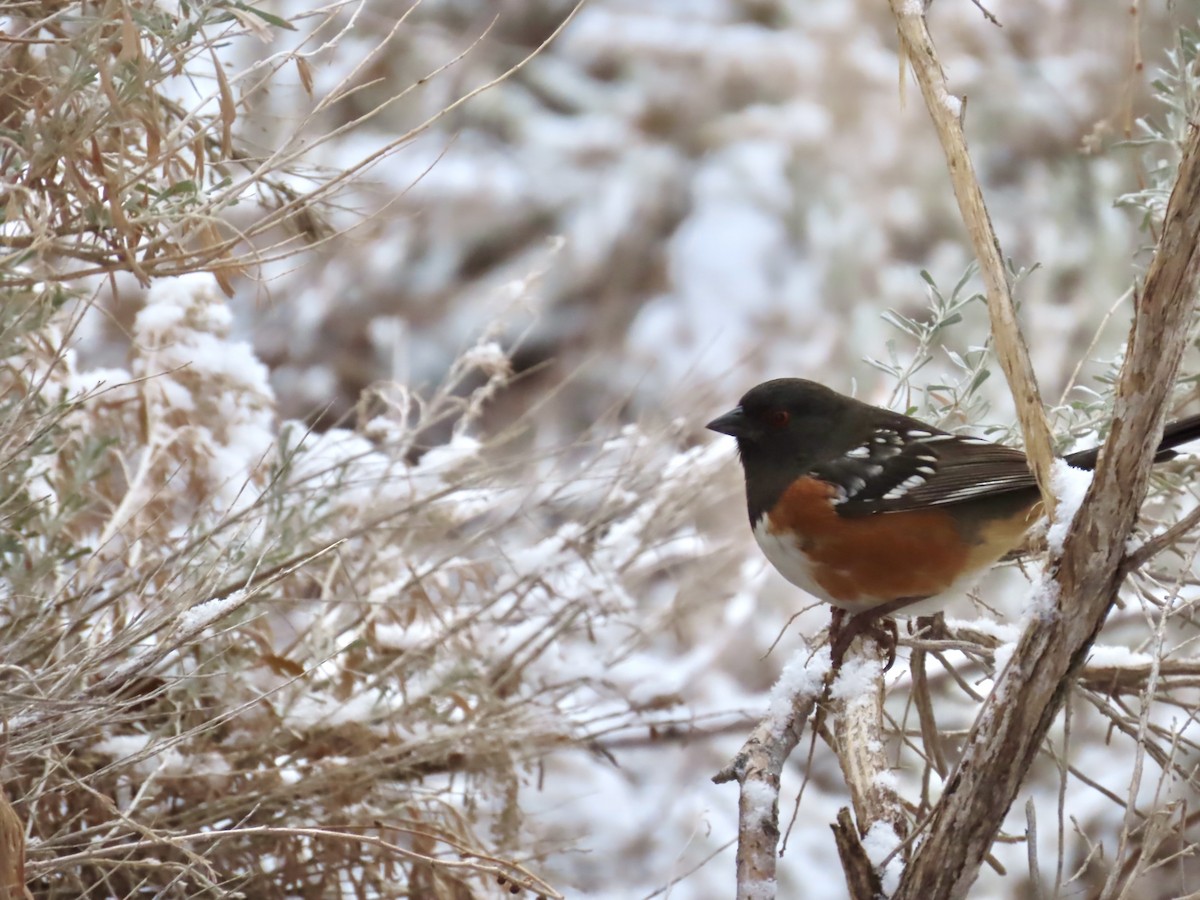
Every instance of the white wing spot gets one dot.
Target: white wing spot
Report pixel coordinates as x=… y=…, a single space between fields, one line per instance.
x=926 y=470
x=863 y=452
x=912 y=481
x=917 y=433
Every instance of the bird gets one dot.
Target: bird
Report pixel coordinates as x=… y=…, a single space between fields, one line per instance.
x=873 y=511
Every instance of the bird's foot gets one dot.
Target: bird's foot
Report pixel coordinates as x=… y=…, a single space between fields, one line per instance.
x=844 y=628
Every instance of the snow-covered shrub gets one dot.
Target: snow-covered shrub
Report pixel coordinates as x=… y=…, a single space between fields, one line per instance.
x=334 y=653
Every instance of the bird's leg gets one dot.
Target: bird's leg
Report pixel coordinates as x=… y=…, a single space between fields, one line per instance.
x=843 y=631
x=876 y=623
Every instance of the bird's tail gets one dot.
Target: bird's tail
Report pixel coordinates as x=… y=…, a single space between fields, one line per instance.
x=1178 y=432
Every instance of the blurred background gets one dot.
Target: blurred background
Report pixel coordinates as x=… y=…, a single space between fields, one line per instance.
x=705 y=192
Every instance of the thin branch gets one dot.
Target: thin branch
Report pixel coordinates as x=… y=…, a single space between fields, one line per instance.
x=1161 y=542
x=916 y=46
x=758 y=768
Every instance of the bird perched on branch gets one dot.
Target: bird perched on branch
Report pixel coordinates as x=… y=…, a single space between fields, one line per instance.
x=873 y=511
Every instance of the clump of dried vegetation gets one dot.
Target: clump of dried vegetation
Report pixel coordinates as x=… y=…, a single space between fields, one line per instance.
x=240 y=658
x=243 y=656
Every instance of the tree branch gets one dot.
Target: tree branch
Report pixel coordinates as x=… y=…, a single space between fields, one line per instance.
x=857 y=695
x=1070 y=611
x=917 y=47
x=1160 y=542
x=862 y=881
x=758 y=767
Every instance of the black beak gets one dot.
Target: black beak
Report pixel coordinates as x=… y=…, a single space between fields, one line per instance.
x=733 y=423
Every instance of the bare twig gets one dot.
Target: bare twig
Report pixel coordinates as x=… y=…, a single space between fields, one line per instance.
x=1160 y=542
x=1031 y=841
x=929 y=732
x=987 y=13
x=916 y=46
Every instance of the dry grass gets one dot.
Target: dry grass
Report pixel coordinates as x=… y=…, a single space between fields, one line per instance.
x=240 y=658
x=244 y=657
x=114 y=172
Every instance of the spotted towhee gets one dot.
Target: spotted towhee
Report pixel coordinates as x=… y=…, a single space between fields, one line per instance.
x=872 y=511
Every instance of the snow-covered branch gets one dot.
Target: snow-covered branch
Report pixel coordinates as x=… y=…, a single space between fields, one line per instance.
x=1017 y=716
x=758 y=769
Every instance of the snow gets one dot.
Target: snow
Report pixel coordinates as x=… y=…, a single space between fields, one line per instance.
x=951 y=102
x=729 y=246
x=738 y=198
x=858 y=678
x=887 y=779
x=313 y=711
x=191 y=300
x=405 y=637
x=1043 y=600
x=761 y=799
x=802 y=676
x=1069 y=485
x=446 y=458
x=879 y=842
x=160 y=315
x=1040 y=608
x=189 y=364
x=488 y=357
x=759 y=890
x=1002 y=655
x=123 y=745
x=204 y=614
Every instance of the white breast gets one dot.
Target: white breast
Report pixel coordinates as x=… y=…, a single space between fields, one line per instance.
x=784 y=555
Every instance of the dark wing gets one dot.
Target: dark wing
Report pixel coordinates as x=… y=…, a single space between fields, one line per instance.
x=901 y=468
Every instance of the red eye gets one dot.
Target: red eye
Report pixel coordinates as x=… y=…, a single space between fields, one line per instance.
x=777 y=418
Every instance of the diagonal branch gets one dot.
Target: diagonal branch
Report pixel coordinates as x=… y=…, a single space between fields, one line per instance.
x=917 y=47
x=1071 y=609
